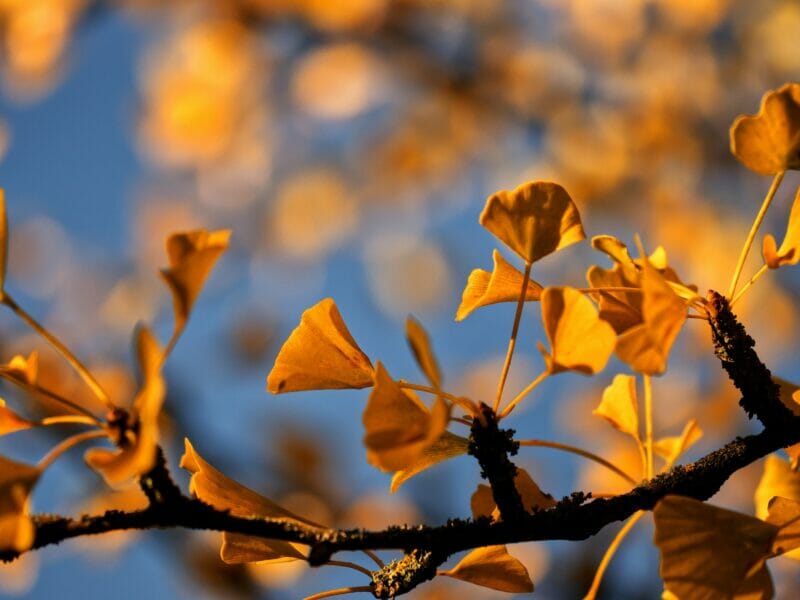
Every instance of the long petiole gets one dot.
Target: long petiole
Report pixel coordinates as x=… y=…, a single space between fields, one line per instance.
x=68 y=419
x=33 y=388
x=763 y=269
x=776 y=182
x=581 y=452
x=457 y=400
x=62 y=349
x=375 y=558
x=339 y=592
x=610 y=551
x=512 y=342
x=648 y=423
x=350 y=565
x=528 y=389
x=68 y=444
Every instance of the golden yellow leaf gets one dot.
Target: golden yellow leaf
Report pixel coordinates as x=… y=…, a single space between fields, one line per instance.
x=645 y=347
x=533 y=498
x=534 y=220
x=503 y=284
x=320 y=354
x=398 y=426
x=778 y=479
x=769 y=142
x=789 y=252
x=492 y=567
x=136 y=453
x=223 y=493
x=784 y=513
x=22 y=369
x=448 y=446
x=482 y=502
x=16 y=482
x=708 y=552
x=11 y=421
x=191 y=255
x=423 y=353
x=579 y=340
x=3 y=240
x=670 y=448
x=619 y=406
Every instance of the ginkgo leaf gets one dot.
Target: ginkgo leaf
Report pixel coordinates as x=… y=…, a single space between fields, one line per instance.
x=579 y=339
x=645 y=347
x=534 y=220
x=789 y=252
x=191 y=256
x=16 y=482
x=11 y=421
x=320 y=354
x=137 y=451
x=492 y=567
x=448 y=446
x=423 y=353
x=670 y=448
x=223 y=493
x=22 y=369
x=769 y=142
x=503 y=284
x=533 y=498
x=784 y=513
x=708 y=552
x=778 y=479
x=3 y=240
x=756 y=586
x=619 y=405
x=398 y=426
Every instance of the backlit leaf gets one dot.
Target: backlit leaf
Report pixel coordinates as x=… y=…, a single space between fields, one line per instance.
x=778 y=479
x=670 y=448
x=191 y=257
x=619 y=406
x=492 y=567
x=22 y=369
x=448 y=446
x=398 y=426
x=784 y=513
x=320 y=354
x=423 y=353
x=707 y=552
x=503 y=284
x=579 y=340
x=533 y=498
x=11 y=421
x=769 y=142
x=789 y=252
x=534 y=220
x=16 y=482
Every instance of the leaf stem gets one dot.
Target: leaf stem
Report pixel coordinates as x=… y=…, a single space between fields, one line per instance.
x=581 y=452
x=68 y=444
x=339 y=592
x=762 y=269
x=35 y=388
x=512 y=342
x=458 y=400
x=350 y=565
x=648 y=423
x=68 y=419
x=528 y=389
x=609 y=554
x=776 y=182
x=375 y=558
x=61 y=348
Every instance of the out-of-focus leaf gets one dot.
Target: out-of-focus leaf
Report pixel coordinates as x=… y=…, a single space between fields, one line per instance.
x=398 y=427
x=22 y=369
x=223 y=493
x=619 y=406
x=137 y=453
x=192 y=255
x=11 y=421
x=784 y=513
x=320 y=354
x=707 y=552
x=769 y=142
x=16 y=482
x=448 y=446
x=789 y=252
x=503 y=284
x=492 y=567
x=534 y=220
x=579 y=340
x=533 y=498
x=423 y=353
x=3 y=240
x=670 y=448
x=777 y=480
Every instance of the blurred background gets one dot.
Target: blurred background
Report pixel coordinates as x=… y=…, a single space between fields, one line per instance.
x=350 y=146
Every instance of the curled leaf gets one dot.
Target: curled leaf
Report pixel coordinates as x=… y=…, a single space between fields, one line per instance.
x=11 y=421
x=769 y=142
x=789 y=252
x=398 y=426
x=423 y=353
x=619 y=406
x=579 y=339
x=16 y=482
x=137 y=448
x=223 y=493
x=534 y=220
x=320 y=354
x=503 y=284
x=191 y=256
x=708 y=552
x=492 y=567
x=671 y=448
x=448 y=446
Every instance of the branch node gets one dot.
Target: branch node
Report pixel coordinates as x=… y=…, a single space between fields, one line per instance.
x=401 y=576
